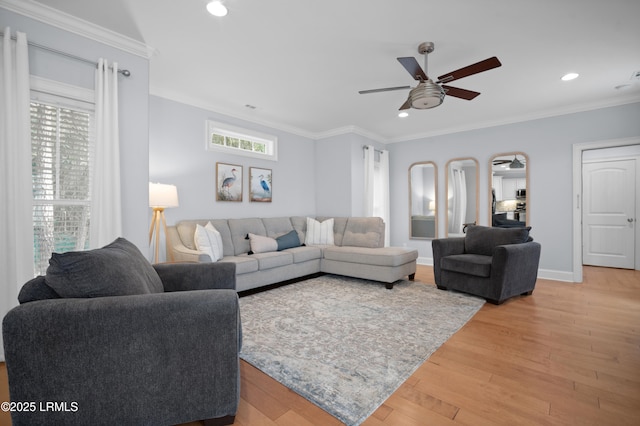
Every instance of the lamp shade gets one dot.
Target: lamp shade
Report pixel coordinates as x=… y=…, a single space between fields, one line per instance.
x=161 y=195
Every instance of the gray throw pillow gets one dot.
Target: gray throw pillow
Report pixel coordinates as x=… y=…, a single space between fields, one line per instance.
x=482 y=239
x=117 y=269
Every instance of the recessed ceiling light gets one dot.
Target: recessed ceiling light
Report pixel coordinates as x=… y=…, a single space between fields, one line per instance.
x=216 y=8
x=403 y=114
x=570 y=76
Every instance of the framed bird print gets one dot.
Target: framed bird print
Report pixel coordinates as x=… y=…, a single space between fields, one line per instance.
x=228 y=182
x=260 y=185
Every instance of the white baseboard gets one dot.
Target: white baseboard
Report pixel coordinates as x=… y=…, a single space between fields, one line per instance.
x=427 y=261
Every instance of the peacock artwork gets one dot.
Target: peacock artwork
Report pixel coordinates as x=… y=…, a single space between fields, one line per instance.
x=260 y=185
x=228 y=182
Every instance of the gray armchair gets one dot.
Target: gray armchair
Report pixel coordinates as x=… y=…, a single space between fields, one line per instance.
x=106 y=338
x=493 y=263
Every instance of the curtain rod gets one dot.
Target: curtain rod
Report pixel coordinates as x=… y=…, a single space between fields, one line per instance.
x=125 y=73
x=376 y=150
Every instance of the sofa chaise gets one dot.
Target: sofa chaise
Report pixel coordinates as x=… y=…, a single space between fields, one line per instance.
x=355 y=248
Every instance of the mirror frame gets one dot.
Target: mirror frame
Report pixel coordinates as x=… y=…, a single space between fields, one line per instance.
x=446 y=188
x=527 y=168
x=435 y=194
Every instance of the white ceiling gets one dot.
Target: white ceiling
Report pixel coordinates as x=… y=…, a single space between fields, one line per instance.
x=302 y=63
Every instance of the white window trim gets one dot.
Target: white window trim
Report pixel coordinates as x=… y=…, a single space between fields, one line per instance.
x=224 y=129
x=50 y=91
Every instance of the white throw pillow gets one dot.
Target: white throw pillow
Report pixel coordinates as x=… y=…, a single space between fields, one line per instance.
x=319 y=233
x=261 y=244
x=208 y=239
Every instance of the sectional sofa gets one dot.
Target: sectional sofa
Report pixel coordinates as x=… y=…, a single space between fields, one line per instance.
x=271 y=250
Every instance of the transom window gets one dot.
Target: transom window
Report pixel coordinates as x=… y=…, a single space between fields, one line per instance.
x=236 y=140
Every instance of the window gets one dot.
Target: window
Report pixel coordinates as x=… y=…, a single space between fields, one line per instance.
x=61 y=145
x=223 y=137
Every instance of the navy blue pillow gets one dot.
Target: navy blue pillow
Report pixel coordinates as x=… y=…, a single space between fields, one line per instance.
x=288 y=240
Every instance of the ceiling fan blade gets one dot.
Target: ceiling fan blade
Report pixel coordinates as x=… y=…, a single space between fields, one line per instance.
x=405 y=105
x=411 y=65
x=481 y=66
x=460 y=93
x=386 y=89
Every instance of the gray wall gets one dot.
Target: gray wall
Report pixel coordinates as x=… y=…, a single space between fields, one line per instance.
x=177 y=156
x=548 y=143
x=133 y=93
x=321 y=177
x=340 y=174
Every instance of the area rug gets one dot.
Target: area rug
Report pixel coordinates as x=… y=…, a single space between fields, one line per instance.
x=347 y=344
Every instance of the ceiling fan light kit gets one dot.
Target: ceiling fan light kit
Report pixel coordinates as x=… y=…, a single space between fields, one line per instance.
x=429 y=94
x=426 y=95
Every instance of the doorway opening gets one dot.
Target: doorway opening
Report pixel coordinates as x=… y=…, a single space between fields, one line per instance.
x=593 y=152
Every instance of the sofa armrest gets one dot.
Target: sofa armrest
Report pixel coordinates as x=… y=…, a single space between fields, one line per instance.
x=114 y=360
x=179 y=251
x=197 y=276
x=443 y=247
x=516 y=264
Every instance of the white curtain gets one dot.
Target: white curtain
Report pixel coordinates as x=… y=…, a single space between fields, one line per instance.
x=369 y=179
x=106 y=216
x=16 y=229
x=458 y=202
x=382 y=198
x=376 y=187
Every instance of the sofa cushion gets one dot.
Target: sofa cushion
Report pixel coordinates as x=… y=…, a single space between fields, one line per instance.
x=209 y=240
x=482 y=239
x=262 y=244
x=470 y=264
x=364 y=232
x=36 y=289
x=299 y=223
x=384 y=256
x=339 y=225
x=186 y=231
x=117 y=269
x=244 y=264
x=319 y=233
x=273 y=259
x=288 y=240
x=305 y=253
x=240 y=228
x=277 y=226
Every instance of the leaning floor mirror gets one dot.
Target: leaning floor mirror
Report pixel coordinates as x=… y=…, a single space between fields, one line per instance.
x=423 y=184
x=462 y=180
x=509 y=189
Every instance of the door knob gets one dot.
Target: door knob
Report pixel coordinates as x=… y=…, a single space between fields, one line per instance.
x=630 y=220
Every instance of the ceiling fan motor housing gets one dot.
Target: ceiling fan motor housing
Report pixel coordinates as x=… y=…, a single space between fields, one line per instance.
x=426 y=95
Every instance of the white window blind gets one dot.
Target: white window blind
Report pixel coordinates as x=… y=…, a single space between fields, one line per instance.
x=61 y=147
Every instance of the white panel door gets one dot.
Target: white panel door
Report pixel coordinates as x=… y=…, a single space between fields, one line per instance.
x=608 y=213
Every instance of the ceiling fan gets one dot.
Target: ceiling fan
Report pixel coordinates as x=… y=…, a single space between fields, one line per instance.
x=512 y=164
x=429 y=94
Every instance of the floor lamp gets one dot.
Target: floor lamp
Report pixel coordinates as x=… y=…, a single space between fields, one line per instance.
x=161 y=197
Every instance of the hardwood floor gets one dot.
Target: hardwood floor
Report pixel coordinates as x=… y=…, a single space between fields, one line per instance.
x=567 y=355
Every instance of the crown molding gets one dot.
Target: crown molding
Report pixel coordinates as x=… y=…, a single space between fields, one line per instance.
x=198 y=103
x=56 y=18
x=350 y=130
x=172 y=96
x=572 y=109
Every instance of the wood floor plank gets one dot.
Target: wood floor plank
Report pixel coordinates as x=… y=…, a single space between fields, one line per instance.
x=567 y=355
